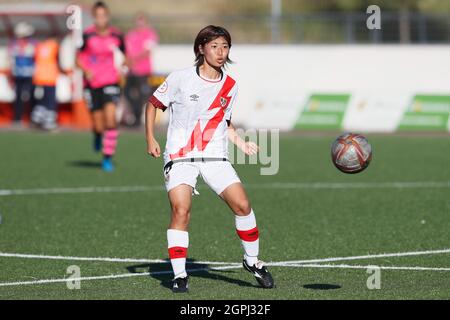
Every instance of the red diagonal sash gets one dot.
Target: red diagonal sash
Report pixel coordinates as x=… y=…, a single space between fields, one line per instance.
x=199 y=138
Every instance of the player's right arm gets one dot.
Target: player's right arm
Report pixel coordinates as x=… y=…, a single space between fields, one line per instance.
x=87 y=73
x=79 y=61
x=161 y=99
x=153 y=147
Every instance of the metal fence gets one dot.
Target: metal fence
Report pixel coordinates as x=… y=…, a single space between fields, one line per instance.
x=332 y=27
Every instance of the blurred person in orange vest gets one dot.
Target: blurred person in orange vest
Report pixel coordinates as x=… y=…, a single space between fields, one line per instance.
x=139 y=43
x=21 y=52
x=44 y=80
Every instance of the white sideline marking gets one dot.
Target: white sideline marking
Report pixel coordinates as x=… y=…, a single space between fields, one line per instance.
x=20 y=192
x=131 y=260
x=103 y=259
x=371 y=256
x=351 y=185
x=347 y=266
x=298 y=264
x=113 y=276
x=274 y=185
x=128 y=275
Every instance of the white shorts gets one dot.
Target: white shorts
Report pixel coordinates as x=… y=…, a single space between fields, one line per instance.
x=218 y=175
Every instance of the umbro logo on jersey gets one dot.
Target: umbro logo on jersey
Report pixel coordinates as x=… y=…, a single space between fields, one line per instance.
x=194 y=97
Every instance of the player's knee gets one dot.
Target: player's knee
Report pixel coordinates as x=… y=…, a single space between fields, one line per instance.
x=243 y=208
x=181 y=214
x=110 y=125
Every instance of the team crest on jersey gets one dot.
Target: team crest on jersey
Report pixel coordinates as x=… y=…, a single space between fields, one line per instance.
x=194 y=97
x=223 y=101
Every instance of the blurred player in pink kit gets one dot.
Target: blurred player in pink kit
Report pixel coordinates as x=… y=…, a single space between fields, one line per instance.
x=139 y=43
x=102 y=91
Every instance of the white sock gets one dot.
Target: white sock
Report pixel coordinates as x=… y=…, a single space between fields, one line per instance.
x=248 y=232
x=178 y=243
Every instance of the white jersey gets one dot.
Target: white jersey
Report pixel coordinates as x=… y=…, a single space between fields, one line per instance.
x=199 y=111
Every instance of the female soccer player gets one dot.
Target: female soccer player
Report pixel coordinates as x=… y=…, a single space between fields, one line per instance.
x=96 y=60
x=200 y=101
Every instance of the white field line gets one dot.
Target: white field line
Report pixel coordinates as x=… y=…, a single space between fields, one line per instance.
x=274 y=185
x=347 y=266
x=351 y=185
x=128 y=275
x=131 y=260
x=104 y=259
x=298 y=264
x=112 y=276
x=106 y=189
x=371 y=256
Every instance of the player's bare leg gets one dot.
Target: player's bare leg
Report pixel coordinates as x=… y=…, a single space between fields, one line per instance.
x=98 y=128
x=110 y=115
x=247 y=230
x=180 y=199
x=110 y=135
x=236 y=198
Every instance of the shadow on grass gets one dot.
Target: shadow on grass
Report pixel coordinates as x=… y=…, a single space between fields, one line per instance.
x=321 y=286
x=163 y=273
x=85 y=164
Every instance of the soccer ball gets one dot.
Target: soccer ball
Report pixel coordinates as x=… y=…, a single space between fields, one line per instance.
x=351 y=153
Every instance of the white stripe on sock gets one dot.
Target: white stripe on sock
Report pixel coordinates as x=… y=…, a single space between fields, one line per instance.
x=177 y=238
x=247 y=222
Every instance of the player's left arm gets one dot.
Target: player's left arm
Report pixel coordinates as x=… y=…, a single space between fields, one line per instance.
x=249 y=147
x=122 y=48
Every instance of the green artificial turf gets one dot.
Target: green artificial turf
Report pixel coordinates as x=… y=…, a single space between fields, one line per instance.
x=309 y=210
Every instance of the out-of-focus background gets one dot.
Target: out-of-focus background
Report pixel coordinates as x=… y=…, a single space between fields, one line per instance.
x=300 y=64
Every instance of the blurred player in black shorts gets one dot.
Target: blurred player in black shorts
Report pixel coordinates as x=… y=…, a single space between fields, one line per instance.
x=96 y=59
